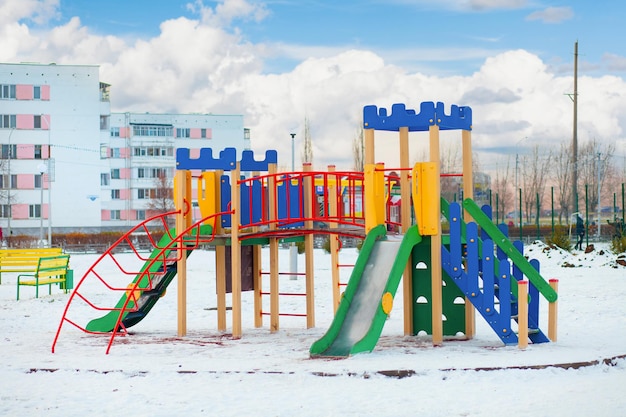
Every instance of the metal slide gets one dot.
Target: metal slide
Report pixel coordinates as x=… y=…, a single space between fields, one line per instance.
x=360 y=318
x=154 y=277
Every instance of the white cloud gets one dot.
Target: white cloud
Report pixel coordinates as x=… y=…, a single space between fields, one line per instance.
x=228 y=10
x=552 y=14
x=196 y=66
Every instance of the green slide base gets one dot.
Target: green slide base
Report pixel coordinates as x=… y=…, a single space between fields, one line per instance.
x=148 y=299
x=360 y=318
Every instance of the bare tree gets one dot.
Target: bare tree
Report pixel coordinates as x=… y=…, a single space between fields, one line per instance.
x=307 y=153
x=594 y=161
x=358 y=149
x=162 y=195
x=502 y=187
x=450 y=160
x=562 y=170
x=534 y=173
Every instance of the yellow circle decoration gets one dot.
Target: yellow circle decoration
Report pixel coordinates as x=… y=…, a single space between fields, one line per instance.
x=387 y=302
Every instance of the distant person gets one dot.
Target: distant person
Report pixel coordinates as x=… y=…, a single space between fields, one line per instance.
x=580 y=232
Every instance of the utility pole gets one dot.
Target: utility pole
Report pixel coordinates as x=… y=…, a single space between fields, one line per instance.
x=575 y=133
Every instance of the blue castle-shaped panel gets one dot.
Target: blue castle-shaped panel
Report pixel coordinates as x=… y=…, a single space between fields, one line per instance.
x=460 y=117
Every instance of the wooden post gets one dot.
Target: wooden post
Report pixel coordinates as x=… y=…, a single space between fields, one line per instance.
x=552 y=312
x=435 y=248
x=522 y=314
x=405 y=201
x=310 y=204
x=273 y=215
x=468 y=192
x=180 y=179
x=235 y=252
x=333 y=188
x=220 y=260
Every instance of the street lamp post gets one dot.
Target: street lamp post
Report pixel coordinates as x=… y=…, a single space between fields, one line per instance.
x=49 y=170
x=42 y=171
x=9 y=190
x=293 y=250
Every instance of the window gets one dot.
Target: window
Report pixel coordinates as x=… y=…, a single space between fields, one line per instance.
x=105 y=179
x=37 y=121
x=158 y=172
x=141 y=173
x=115 y=194
x=143 y=193
x=7 y=91
x=36 y=92
x=146 y=130
x=115 y=215
x=115 y=174
x=246 y=134
x=8 y=121
x=34 y=211
x=4 y=181
x=115 y=132
x=8 y=151
x=104 y=151
x=203 y=133
x=115 y=152
x=37 y=151
x=104 y=122
x=38 y=181
x=5 y=211
x=182 y=132
x=141 y=215
x=153 y=151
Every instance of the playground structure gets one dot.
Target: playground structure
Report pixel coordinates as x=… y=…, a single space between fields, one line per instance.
x=446 y=278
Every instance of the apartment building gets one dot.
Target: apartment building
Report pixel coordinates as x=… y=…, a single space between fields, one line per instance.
x=141 y=151
x=68 y=164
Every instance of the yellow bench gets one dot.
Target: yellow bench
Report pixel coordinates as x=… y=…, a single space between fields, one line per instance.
x=24 y=260
x=50 y=270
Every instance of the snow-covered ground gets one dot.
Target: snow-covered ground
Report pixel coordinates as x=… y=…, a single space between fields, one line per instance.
x=152 y=372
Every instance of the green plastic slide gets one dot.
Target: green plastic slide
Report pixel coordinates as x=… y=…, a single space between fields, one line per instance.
x=133 y=315
x=360 y=317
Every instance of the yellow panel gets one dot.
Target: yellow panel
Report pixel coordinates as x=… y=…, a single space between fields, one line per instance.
x=207 y=201
x=416 y=190
x=370 y=197
x=430 y=199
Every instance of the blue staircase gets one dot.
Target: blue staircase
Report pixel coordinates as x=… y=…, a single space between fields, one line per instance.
x=489 y=278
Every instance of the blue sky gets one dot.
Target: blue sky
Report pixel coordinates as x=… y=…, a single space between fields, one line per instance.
x=445 y=37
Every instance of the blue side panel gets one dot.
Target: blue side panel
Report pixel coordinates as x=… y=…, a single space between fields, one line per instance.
x=225 y=198
x=251 y=203
x=504 y=329
x=290 y=203
x=248 y=163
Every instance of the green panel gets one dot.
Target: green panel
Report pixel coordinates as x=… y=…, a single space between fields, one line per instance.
x=422 y=293
x=454 y=313
x=422 y=288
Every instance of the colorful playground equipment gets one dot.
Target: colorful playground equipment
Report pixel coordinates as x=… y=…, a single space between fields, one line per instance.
x=446 y=277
